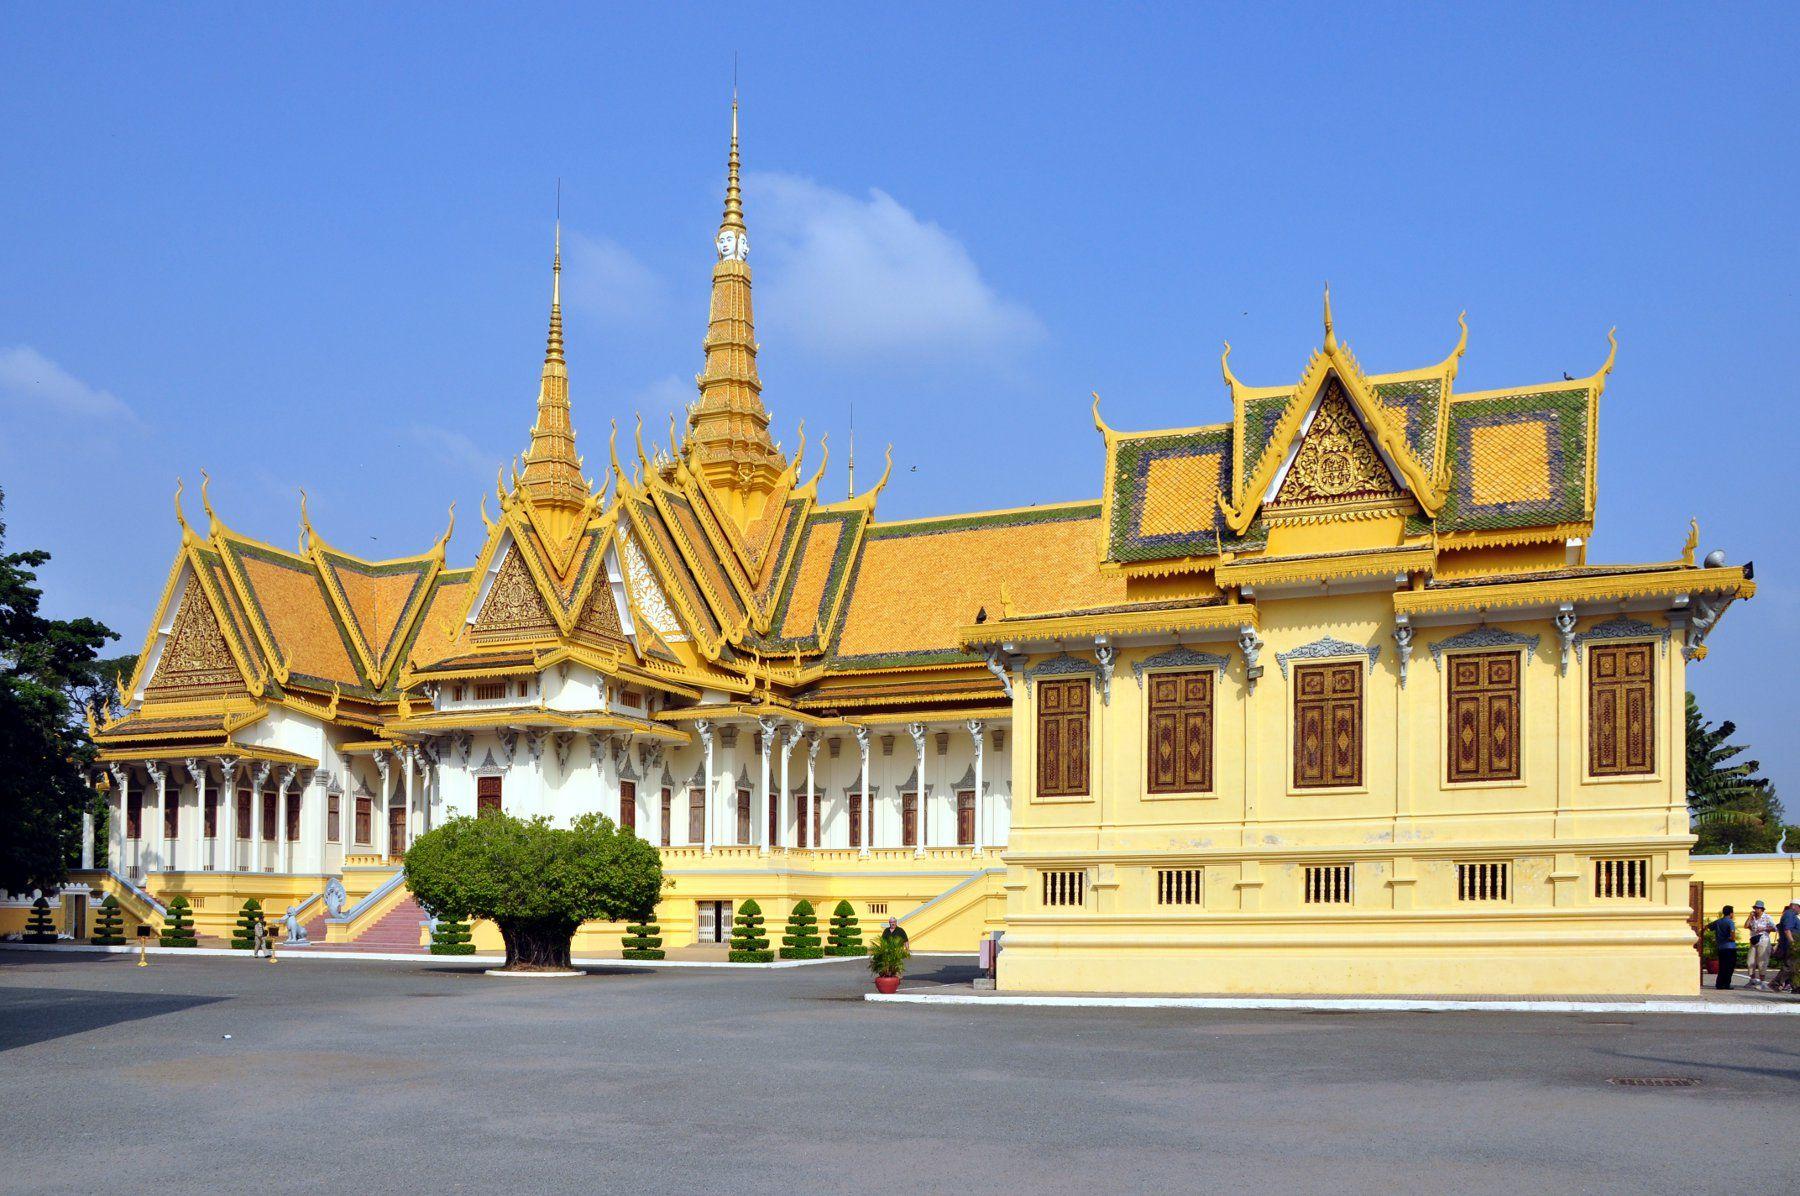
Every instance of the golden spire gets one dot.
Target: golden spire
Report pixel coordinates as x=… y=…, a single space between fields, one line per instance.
x=1330 y=333
x=552 y=469
x=728 y=427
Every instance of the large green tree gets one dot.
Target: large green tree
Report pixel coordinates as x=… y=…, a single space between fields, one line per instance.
x=1733 y=807
x=45 y=665
x=536 y=882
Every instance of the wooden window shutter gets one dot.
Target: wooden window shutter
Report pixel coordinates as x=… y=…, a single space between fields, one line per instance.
x=1621 y=710
x=1483 y=717
x=1181 y=732
x=1328 y=725
x=487 y=795
x=628 y=806
x=1062 y=725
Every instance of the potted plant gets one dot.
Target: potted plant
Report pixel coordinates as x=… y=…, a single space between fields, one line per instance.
x=1709 y=954
x=887 y=959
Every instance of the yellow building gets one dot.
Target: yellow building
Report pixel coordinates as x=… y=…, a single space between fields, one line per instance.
x=1325 y=698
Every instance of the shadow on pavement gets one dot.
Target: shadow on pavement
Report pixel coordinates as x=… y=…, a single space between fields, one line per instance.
x=29 y=1015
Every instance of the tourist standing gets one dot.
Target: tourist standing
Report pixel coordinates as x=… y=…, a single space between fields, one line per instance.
x=259 y=931
x=1787 y=931
x=1724 y=932
x=1762 y=929
x=893 y=930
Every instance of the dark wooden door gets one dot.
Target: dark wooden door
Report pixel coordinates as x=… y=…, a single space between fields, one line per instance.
x=696 y=816
x=965 y=818
x=909 y=819
x=668 y=801
x=743 y=816
x=487 y=795
x=856 y=821
x=396 y=832
x=801 y=805
x=628 y=806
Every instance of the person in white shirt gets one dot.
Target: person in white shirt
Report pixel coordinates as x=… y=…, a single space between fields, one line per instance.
x=1762 y=931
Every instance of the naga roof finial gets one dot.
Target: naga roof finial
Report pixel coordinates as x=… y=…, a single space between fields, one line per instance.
x=1330 y=333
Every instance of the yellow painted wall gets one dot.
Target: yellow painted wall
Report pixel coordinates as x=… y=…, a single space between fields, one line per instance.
x=1403 y=831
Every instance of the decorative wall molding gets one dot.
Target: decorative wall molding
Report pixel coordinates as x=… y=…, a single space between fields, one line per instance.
x=1062 y=666
x=1565 y=631
x=1484 y=636
x=1623 y=627
x=998 y=668
x=1403 y=645
x=1106 y=656
x=1326 y=649
x=1178 y=658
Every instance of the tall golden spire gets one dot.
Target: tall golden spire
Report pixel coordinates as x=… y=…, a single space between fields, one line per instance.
x=728 y=427
x=552 y=470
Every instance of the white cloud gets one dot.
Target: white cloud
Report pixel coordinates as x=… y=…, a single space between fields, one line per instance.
x=846 y=276
x=456 y=450
x=32 y=382
x=604 y=279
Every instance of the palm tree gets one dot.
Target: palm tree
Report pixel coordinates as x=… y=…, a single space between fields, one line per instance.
x=1732 y=806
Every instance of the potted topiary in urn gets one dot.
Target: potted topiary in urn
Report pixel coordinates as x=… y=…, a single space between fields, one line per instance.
x=887 y=959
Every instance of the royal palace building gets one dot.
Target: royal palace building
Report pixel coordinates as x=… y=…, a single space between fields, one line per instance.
x=1325 y=695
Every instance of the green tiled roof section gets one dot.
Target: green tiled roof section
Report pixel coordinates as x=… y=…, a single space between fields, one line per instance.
x=897 y=660
x=418 y=569
x=1033 y=515
x=1564 y=414
x=1422 y=400
x=282 y=560
x=1130 y=477
x=842 y=555
x=1260 y=418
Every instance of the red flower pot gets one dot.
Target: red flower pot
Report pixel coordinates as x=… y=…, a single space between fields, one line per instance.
x=887 y=984
x=1711 y=966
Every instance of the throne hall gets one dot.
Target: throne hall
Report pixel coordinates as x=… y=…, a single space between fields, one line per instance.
x=1322 y=692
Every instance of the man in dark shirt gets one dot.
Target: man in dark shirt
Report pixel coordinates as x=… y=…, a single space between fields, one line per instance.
x=1724 y=932
x=894 y=930
x=1787 y=931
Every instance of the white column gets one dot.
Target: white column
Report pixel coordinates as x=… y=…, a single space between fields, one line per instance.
x=87 y=839
x=261 y=779
x=760 y=819
x=705 y=728
x=164 y=846
x=812 y=790
x=917 y=731
x=784 y=817
x=284 y=854
x=378 y=836
x=115 y=853
x=228 y=812
x=977 y=731
x=410 y=754
x=868 y=807
x=197 y=770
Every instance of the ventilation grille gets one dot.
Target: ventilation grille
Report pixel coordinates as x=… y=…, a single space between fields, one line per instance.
x=1622 y=878
x=1328 y=884
x=1484 y=882
x=1065 y=888
x=1180 y=886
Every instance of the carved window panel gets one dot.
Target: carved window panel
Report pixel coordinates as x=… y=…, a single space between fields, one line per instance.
x=134 y=815
x=1181 y=732
x=628 y=806
x=668 y=801
x=909 y=818
x=1621 y=710
x=293 y=818
x=696 y=816
x=365 y=815
x=1483 y=716
x=965 y=818
x=270 y=811
x=1064 y=708
x=487 y=795
x=1328 y=725
x=333 y=815
x=243 y=814
x=743 y=817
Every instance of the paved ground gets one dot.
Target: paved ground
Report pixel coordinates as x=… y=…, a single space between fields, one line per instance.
x=397 y=1077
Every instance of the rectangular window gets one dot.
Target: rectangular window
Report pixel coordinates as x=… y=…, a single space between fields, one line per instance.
x=134 y=815
x=243 y=813
x=172 y=817
x=1065 y=888
x=1621 y=710
x=1482 y=717
x=909 y=819
x=1328 y=884
x=365 y=811
x=1181 y=732
x=801 y=818
x=628 y=806
x=1062 y=726
x=1486 y=881
x=1622 y=878
x=487 y=691
x=1180 y=886
x=965 y=818
x=696 y=816
x=212 y=815
x=818 y=819
x=293 y=818
x=668 y=801
x=270 y=812
x=878 y=907
x=632 y=698
x=743 y=817
x=856 y=821
x=1328 y=725
x=487 y=795
x=333 y=815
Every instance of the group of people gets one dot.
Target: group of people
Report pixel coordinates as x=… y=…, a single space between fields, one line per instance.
x=1771 y=942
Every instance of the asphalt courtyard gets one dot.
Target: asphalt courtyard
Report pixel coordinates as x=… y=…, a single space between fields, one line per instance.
x=232 y=1075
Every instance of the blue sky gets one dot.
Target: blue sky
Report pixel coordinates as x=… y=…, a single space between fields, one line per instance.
x=311 y=249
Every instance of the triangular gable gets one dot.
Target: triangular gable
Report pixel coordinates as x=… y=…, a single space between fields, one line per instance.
x=677 y=583
x=1334 y=462
x=189 y=656
x=511 y=606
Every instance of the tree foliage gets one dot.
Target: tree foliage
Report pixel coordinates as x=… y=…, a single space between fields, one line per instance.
x=38 y=927
x=178 y=926
x=536 y=882
x=642 y=940
x=802 y=938
x=1733 y=807
x=748 y=942
x=44 y=665
x=846 y=934
x=450 y=936
x=109 y=924
x=244 y=935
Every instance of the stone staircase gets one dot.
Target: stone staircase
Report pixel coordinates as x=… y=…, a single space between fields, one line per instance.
x=395 y=932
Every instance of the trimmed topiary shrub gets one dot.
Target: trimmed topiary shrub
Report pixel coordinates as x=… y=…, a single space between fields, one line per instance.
x=38 y=926
x=178 y=926
x=748 y=942
x=802 y=938
x=451 y=936
x=243 y=937
x=109 y=924
x=846 y=935
x=643 y=940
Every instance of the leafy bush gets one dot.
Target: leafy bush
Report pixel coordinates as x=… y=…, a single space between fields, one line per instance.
x=748 y=943
x=802 y=938
x=643 y=939
x=536 y=882
x=888 y=956
x=178 y=926
x=38 y=927
x=109 y=924
x=846 y=935
x=243 y=936
x=451 y=936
